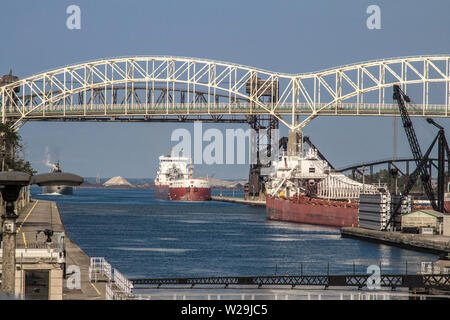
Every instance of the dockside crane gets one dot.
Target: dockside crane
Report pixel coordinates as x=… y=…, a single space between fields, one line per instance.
x=401 y=97
x=420 y=159
x=443 y=150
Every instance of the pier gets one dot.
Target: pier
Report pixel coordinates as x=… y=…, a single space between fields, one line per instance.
x=250 y=202
x=42 y=265
x=436 y=244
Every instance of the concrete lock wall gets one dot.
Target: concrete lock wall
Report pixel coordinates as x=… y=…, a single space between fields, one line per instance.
x=20 y=284
x=55 y=283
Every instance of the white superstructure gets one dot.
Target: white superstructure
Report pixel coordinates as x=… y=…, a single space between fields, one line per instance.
x=307 y=174
x=172 y=168
x=190 y=183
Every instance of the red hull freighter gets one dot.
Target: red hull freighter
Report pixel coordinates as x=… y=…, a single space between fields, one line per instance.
x=303 y=188
x=190 y=190
x=162 y=192
x=174 y=181
x=313 y=211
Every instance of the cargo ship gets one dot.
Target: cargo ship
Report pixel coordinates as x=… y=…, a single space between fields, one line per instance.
x=174 y=181
x=303 y=188
x=57 y=189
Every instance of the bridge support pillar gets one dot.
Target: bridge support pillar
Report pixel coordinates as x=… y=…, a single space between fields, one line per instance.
x=295 y=142
x=255 y=188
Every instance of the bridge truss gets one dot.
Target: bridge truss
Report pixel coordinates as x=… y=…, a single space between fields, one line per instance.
x=160 y=88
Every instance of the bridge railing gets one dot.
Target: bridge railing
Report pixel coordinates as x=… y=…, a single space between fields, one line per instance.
x=226 y=107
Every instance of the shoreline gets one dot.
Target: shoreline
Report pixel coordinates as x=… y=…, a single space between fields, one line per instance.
x=434 y=244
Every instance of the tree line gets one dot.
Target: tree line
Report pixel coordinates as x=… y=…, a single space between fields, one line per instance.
x=12 y=157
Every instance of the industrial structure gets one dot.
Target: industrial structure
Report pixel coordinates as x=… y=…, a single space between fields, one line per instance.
x=421 y=160
x=180 y=89
x=426 y=222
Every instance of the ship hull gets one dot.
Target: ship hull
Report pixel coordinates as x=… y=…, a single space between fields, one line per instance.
x=189 y=190
x=190 y=194
x=161 y=192
x=312 y=211
x=66 y=190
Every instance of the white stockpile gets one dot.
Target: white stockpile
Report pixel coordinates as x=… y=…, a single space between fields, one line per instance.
x=117 y=181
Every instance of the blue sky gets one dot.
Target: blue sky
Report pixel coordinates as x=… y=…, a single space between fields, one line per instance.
x=284 y=36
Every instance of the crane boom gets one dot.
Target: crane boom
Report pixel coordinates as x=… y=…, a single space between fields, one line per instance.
x=401 y=97
x=420 y=160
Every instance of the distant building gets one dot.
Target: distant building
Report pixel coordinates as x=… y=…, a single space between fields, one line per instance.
x=426 y=219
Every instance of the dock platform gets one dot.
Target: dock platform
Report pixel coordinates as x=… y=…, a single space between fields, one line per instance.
x=41 y=215
x=239 y=200
x=436 y=244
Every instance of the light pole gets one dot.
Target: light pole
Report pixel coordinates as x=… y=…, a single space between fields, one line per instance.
x=12 y=183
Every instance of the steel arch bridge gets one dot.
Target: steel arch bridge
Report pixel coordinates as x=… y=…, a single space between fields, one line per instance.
x=164 y=88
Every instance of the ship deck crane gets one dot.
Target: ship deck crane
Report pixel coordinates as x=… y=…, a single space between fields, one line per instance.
x=421 y=160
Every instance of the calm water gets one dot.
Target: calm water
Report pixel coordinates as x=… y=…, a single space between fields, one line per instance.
x=144 y=237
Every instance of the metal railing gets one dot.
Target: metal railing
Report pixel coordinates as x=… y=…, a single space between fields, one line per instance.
x=118 y=287
x=99 y=267
x=125 y=285
x=225 y=108
x=429 y=276
x=298 y=295
x=37 y=245
x=392 y=281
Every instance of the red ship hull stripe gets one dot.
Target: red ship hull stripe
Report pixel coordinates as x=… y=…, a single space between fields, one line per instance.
x=318 y=212
x=190 y=194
